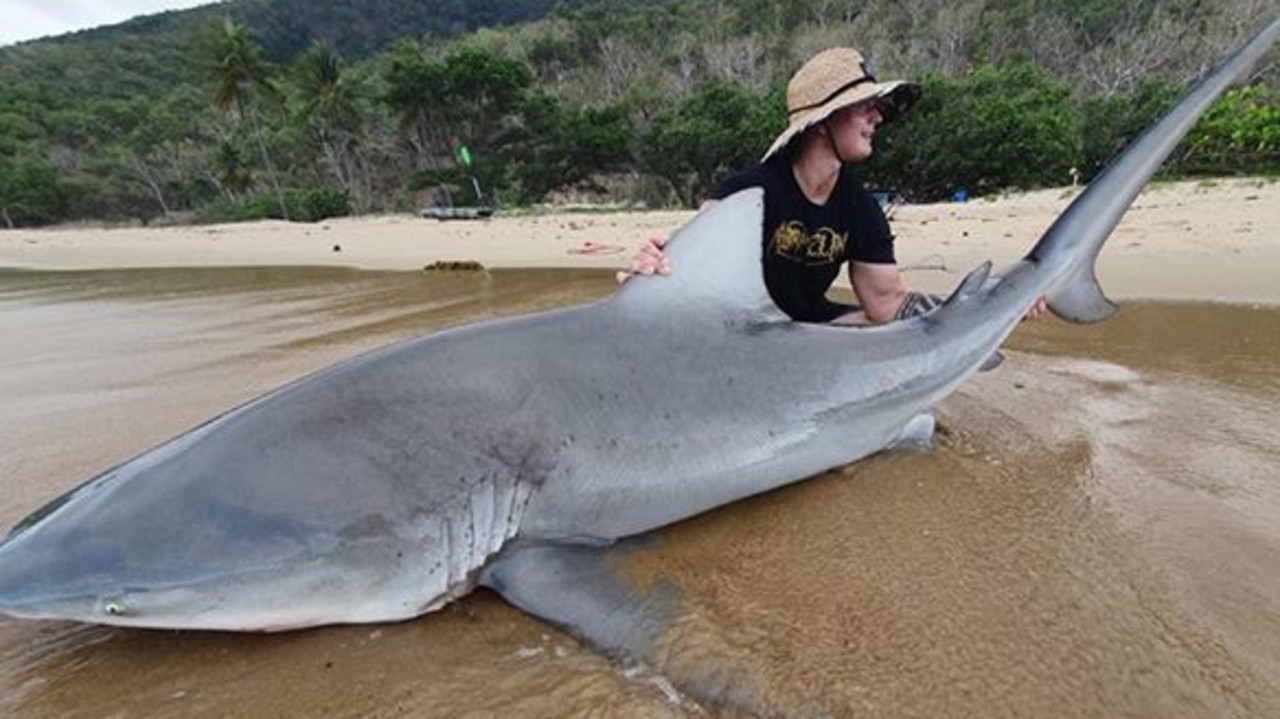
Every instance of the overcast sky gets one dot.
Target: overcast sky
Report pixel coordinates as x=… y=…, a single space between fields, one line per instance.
x=28 y=19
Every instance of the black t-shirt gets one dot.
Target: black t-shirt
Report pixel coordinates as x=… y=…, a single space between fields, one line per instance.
x=804 y=243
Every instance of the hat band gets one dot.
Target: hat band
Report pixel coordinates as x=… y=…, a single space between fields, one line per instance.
x=847 y=86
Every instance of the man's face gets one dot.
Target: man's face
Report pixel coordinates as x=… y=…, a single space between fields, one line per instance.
x=854 y=128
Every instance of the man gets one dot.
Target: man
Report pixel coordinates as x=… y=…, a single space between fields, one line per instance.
x=817 y=215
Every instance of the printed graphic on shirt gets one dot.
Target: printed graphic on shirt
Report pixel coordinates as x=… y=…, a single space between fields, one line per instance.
x=823 y=247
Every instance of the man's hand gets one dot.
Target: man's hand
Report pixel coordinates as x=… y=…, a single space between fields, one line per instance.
x=1038 y=308
x=648 y=260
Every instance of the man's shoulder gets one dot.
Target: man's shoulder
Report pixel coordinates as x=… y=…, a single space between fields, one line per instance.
x=851 y=180
x=758 y=175
x=862 y=199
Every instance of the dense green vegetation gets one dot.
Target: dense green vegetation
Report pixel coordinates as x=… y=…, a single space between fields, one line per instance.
x=300 y=110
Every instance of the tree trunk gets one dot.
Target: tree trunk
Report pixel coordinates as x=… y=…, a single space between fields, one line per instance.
x=334 y=160
x=150 y=180
x=266 y=159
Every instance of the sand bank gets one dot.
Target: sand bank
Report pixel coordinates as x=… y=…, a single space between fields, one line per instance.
x=1216 y=240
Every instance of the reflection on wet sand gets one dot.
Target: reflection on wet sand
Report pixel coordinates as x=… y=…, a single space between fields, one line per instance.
x=1095 y=534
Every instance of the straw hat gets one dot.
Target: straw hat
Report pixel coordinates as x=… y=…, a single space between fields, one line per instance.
x=834 y=79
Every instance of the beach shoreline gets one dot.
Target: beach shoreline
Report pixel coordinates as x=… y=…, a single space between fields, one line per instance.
x=1216 y=240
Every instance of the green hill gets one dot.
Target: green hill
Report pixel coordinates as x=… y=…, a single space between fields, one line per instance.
x=150 y=55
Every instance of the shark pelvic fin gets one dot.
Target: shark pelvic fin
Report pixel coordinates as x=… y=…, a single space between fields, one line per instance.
x=916 y=434
x=1080 y=298
x=995 y=360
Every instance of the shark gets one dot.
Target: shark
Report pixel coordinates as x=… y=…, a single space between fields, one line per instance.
x=520 y=453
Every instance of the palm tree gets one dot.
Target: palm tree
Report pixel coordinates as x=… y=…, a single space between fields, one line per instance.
x=328 y=104
x=240 y=74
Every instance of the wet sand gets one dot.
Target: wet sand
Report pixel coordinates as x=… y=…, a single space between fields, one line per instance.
x=1096 y=532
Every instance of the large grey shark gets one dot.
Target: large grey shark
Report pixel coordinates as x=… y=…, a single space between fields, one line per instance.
x=506 y=453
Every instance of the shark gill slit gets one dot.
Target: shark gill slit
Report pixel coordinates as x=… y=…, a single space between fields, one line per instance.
x=492 y=509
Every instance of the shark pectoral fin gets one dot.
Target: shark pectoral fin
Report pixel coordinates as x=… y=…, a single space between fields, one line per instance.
x=580 y=590
x=1080 y=299
x=916 y=434
x=589 y=593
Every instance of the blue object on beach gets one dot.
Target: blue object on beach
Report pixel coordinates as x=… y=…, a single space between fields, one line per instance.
x=960 y=195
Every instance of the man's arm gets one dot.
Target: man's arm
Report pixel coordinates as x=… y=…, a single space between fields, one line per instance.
x=885 y=297
x=881 y=291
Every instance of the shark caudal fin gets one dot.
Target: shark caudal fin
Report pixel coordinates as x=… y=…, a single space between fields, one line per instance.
x=1072 y=243
x=716 y=261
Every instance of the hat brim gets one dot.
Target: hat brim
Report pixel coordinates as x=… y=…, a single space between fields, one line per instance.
x=896 y=98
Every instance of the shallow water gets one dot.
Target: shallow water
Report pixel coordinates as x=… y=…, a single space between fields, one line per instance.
x=1096 y=533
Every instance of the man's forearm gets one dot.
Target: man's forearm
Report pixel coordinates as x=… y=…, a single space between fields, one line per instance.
x=917 y=303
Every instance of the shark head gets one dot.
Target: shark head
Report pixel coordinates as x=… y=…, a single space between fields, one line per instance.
x=117 y=551
x=230 y=527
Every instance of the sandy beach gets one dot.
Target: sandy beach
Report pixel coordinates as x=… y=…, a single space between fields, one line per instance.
x=1213 y=240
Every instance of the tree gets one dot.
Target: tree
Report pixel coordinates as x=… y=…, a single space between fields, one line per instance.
x=719 y=128
x=416 y=93
x=483 y=91
x=1115 y=120
x=30 y=193
x=329 y=107
x=997 y=128
x=1239 y=134
x=565 y=147
x=472 y=97
x=242 y=78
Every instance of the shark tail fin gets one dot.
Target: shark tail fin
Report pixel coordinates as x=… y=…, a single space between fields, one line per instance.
x=1080 y=298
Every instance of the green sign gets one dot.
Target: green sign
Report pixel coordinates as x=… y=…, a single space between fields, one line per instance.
x=463 y=153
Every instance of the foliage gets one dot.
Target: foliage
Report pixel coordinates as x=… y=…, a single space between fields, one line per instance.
x=718 y=128
x=1240 y=134
x=998 y=127
x=30 y=193
x=471 y=98
x=1113 y=121
x=564 y=147
x=151 y=54
x=301 y=205
x=242 y=77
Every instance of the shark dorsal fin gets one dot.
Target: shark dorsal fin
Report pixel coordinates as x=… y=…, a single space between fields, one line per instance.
x=716 y=265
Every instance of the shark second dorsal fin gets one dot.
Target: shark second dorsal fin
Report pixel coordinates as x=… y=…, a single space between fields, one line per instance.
x=716 y=265
x=972 y=284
